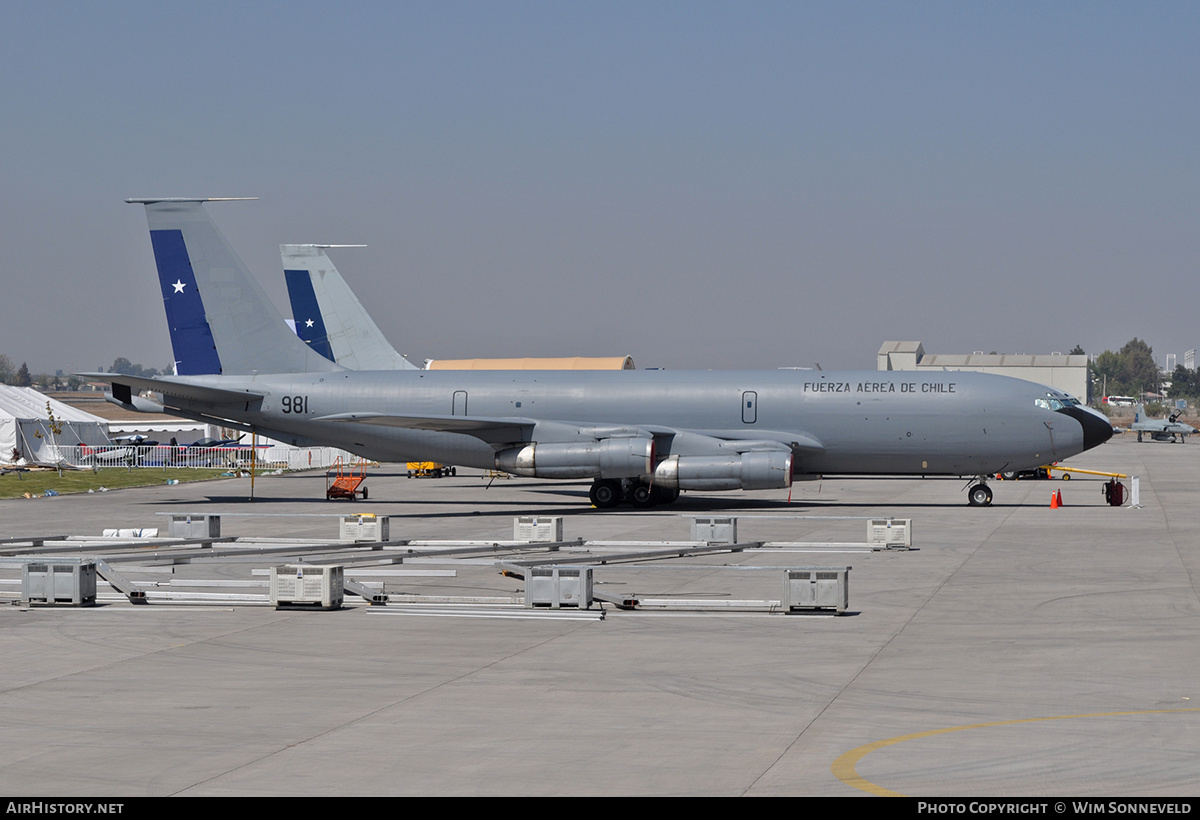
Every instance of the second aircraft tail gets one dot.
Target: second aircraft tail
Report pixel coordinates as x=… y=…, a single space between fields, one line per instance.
x=329 y=316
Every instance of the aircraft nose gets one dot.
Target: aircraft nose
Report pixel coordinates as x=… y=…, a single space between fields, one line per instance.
x=1096 y=428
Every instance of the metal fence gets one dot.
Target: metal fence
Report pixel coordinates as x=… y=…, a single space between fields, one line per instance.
x=231 y=457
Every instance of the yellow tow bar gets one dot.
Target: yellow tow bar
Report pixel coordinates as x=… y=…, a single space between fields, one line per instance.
x=1089 y=472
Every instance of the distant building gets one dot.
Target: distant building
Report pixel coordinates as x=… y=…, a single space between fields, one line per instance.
x=1067 y=373
x=1189 y=359
x=1170 y=364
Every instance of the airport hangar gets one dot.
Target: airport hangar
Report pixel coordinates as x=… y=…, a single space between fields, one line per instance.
x=1064 y=372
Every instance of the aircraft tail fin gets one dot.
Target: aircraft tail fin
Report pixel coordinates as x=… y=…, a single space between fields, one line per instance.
x=221 y=320
x=1139 y=413
x=306 y=313
x=329 y=316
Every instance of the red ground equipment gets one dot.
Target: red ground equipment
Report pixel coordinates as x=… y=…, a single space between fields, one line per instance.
x=343 y=482
x=1114 y=493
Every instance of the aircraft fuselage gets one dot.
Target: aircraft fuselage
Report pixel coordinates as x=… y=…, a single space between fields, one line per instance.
x=902 y=423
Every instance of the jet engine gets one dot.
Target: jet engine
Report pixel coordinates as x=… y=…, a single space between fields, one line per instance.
x=743 y=471
x=607 y=458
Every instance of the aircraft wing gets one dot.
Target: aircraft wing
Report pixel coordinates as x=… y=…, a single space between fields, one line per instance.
x=762 y=440
x=513 y=429
x=123 y=385
x=491 y=430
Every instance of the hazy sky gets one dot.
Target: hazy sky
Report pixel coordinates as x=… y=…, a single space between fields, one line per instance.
x=693 y=184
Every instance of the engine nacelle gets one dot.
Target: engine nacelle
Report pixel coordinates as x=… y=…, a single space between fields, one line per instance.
x=745 y=471
x=608 y=458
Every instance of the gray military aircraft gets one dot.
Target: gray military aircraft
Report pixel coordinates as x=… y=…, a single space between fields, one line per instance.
x=1161 y=429
x=640 y=435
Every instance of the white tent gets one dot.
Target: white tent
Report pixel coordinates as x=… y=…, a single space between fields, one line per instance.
x=25 y=426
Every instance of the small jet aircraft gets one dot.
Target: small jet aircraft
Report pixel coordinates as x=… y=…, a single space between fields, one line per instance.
x=1161 y=429
x=641 y=435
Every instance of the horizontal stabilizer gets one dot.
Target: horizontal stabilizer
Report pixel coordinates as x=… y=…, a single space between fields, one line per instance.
x=150 y=200
x=137 y=404
x=184 y=390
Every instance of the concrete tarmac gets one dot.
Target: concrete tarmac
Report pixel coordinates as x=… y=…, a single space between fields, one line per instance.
x=1016 y=651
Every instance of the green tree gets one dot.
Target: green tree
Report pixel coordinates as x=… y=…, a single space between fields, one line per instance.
x=1138 y=370
x=1185 y=384
x=23 y=378
x=127 y=368
x=122 y=365
x=1105 y=372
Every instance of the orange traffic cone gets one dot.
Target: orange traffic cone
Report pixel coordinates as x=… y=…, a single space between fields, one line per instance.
x=1058 y=499
x=1053 y=501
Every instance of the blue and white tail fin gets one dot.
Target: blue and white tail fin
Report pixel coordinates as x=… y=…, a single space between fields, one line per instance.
x=1139 y=413
x=306 y=313
x=220 y=319
x=329 y=316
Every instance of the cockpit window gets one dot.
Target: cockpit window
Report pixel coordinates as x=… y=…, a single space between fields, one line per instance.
x=1059 y=401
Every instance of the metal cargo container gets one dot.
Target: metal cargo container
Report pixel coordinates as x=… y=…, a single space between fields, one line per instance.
x=59 y=581
x=816 y=588
x=317 y=586
x=538 y=529
x=557 y=587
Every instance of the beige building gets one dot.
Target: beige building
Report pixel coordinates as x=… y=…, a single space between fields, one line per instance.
x=1067 y=373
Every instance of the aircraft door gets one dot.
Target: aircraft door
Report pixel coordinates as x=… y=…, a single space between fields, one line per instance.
x=749 y=407
x=460 y=403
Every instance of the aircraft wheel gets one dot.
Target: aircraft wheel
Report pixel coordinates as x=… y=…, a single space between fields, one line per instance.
x=605 y=494
x=1009 y=475
x=643 y=496
x=980 y=495
x=1139 y=436
x=1066 y=476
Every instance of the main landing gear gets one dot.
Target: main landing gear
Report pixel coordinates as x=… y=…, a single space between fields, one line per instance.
x=607 y=493
x=980 y=495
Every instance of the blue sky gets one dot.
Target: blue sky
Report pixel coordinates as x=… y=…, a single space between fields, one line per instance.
x=694 y=184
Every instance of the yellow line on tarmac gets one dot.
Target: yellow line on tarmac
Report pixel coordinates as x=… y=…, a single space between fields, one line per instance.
x=845 y=767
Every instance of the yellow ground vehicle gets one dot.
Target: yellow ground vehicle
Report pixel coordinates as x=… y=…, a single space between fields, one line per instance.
x=429 y=469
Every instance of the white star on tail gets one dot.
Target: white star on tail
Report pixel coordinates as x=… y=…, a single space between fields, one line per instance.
x=179 y=286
